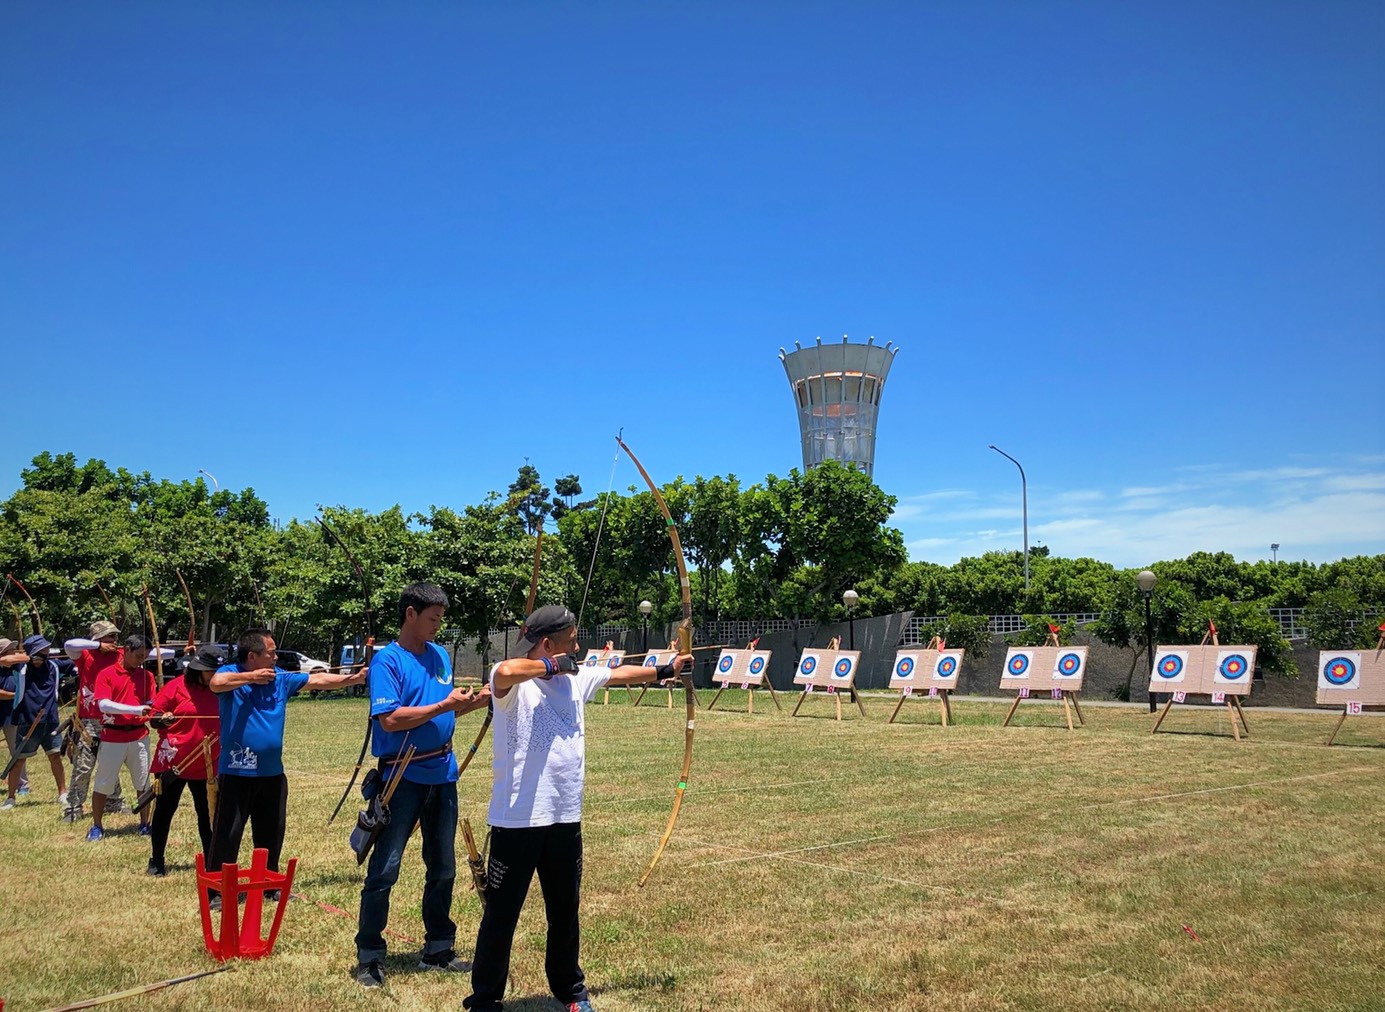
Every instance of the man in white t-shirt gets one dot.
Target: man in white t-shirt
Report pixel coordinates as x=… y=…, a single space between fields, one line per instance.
x=536 y=801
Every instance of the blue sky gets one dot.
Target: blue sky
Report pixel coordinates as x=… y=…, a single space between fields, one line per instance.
x=368 y=254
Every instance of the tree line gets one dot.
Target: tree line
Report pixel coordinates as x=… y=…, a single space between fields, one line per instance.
x=81 y=535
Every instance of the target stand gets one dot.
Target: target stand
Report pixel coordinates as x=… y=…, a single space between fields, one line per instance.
x=607 y=657
x=1353 y=680
x=934 y=668
x=747 y=669
x=652 y=660
x=1051 y=668
x=1208 y=669
x=832 y=670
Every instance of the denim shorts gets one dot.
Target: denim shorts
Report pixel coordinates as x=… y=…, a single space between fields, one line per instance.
x=45 y=737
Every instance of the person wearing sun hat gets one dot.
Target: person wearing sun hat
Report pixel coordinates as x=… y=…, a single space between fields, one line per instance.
x=536 y=801
x=35 y=716
x=92 y=656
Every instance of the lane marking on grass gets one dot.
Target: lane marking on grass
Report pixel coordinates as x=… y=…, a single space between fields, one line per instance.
x=1228 y=787
x=751 y=855
x=692 y=789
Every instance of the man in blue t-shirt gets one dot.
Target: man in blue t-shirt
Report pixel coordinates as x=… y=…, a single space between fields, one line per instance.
x=415 y=706
x=34 y=718
x=251 y=786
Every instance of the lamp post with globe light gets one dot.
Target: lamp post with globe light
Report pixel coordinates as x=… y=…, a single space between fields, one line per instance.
x=849 y=598
x=1146 y=581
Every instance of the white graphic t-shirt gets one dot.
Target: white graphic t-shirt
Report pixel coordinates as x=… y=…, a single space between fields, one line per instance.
x=540 y=761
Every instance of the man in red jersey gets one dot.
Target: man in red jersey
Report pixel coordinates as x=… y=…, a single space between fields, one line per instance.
x=124 y=692
x=92 y=656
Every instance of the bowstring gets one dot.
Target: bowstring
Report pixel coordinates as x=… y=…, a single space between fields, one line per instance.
x=600 y=526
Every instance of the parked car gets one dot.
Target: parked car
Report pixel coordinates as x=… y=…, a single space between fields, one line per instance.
x=310 y=664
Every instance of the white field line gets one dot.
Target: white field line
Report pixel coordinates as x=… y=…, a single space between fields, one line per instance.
x=663 y=796
x=751 y=855
x=1229 y=787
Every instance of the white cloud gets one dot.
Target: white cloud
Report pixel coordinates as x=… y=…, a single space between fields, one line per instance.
x=1314 y=513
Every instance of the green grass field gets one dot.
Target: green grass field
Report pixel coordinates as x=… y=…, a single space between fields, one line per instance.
x=816 y=865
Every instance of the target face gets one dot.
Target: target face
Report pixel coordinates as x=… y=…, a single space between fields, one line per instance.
x=1233 y=667
x=613 y=662
x=843 y=668
x=1018 y=665
x=947 y=667
x=1171 y=667
x=1340 y=671
x=726 y=663
x=757 y=664
x=1069 y=664
x=652 y=661
x=904 y=668
x=807 y=666
x=592 y=660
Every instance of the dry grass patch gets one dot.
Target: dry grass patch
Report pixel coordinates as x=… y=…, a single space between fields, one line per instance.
x=817 y=865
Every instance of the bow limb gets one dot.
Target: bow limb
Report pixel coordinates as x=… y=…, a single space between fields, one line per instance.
x=154 y=631
x=192 y=616
x=684 y=647
x=110 y=608
x=368 y=653
x=33 y=606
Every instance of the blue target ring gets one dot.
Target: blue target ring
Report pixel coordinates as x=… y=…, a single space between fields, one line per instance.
x=1069 y=664
x=1339 y=671
x=843 y=667
x=808 y=665
x=1018 y=665
x=725 y=664
x=652 y=661
x=591 y=661
x=613 y=662
x=1234 y=667
x=905 y=667
x=1171 y=666
x=947 y=666
x=757 y=664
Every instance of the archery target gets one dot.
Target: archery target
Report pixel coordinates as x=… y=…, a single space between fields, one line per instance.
x=947 y=668
x=757 y=665
x=904 y=668
x=1234 y=667
x=1017 y=664
x=1171 y=666
x=1068 y=665
x=651 y=661
x=1339 y=671
x=593 y=659
x=727 y=662
x=842 y=669
x=808 y=666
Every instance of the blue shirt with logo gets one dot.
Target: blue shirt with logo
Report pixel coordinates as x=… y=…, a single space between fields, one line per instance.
x=252 y=724
x=40 y=700
x=400 y=678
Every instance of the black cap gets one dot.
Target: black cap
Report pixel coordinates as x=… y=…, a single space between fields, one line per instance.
x=550 y=619
x=207 y=659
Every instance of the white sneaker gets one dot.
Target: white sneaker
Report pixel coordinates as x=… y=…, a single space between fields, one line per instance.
x=6 y=805
x=62 y=799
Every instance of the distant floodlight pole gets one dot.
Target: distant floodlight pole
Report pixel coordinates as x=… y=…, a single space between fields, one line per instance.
x=1146 y=581
x=215 y=486
x=1274 y=551
x=645 y=609
x=849 y=598
x=1024 y=503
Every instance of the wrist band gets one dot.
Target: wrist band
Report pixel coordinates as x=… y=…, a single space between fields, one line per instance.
x=549 y=666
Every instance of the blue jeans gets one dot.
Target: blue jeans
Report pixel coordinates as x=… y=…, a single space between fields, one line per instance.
x=434 y=808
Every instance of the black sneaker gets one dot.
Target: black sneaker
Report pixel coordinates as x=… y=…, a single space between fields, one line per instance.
x=446 y=960
x=157 y=870
x=370 y=974
x=214 y=904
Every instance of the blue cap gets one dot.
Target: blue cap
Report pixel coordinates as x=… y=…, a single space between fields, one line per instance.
x=35 y=643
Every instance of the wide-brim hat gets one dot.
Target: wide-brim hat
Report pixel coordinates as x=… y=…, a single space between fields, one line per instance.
x=101 y=629
x=546 y=621
x=6 y=645
x=36 y=643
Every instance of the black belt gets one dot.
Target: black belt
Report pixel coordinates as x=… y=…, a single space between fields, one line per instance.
x=395 y=760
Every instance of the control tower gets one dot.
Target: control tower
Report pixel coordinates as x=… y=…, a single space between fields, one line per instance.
x=837 y=390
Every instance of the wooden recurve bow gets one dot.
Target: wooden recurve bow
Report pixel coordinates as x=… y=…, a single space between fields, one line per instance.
x=685 y=630
x=154 y=633
x=33 y=606
x=369 y=619
x=191 y=646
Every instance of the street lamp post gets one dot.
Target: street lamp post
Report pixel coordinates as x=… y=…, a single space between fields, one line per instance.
x=216 y=487
x=645 y=609
x=1024 y=503
x=849 y=598
x=1274 y=553
x=1146 y=581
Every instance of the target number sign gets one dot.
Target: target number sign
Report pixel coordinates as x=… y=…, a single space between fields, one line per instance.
x=1354 y=709
x=1180 y=697
x=1024 y=692
x=933 y=692
x=1219 y=697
